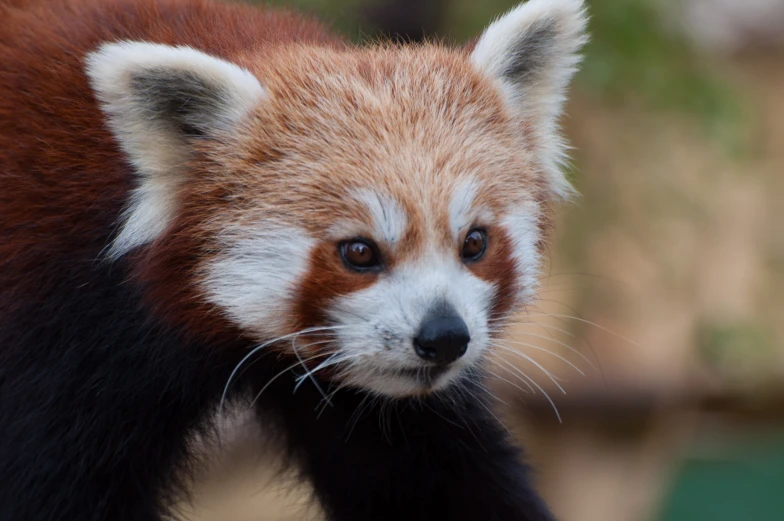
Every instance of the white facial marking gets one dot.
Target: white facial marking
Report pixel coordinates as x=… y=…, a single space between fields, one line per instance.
x=389 y=218
x=133 y=82
x=463 y=213
x=150 y=209
x=522 y=225
x=532 y=53
x=255 y=275
x=460 y=207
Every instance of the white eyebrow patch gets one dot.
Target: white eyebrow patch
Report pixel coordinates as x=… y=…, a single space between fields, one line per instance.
x=389 y=218
x=462 y=213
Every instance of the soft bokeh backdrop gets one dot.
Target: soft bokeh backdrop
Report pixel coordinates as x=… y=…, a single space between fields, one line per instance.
x=666 y=283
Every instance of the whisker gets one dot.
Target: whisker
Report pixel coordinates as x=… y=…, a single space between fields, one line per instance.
x=562 y=318
x=487 y=392
x=594 y=324
x=358 y=413
x=335 y=359
x=598 y=367
x=496 y=375
x=281 y=373
x=385 y=420
x=531 y=380
x=548 y=284
x=563 y=344
x=262 y=346
x=550 y=326
x=307 y=372
x=494 y=416
x=301 y=378
x=451 y=395
x=552 y=353
x=518 y=374
x=588 y=275
x=554 y=379
x=323 y=403
x=423 y=402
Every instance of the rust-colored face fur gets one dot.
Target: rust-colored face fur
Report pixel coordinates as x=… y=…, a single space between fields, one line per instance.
x=279 y=160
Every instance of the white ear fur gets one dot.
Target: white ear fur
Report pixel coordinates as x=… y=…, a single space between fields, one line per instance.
x=157 y=98
x=532 y=52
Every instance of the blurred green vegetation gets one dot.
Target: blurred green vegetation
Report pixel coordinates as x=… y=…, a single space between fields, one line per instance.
x=732 y=344
x=635 y=56
x=632 y=54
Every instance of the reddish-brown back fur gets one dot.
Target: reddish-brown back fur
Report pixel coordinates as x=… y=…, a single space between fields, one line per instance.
x=63 y=181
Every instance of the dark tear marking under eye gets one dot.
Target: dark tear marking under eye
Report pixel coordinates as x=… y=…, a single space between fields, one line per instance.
x=326 y=280
x=499 y=268
x=531 y=52
x=179 y=98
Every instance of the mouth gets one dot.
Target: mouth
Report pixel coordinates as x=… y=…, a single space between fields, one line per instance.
x=401 y=382
x=426 y=376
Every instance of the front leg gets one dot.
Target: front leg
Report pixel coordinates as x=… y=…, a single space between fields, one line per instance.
x=411 y=460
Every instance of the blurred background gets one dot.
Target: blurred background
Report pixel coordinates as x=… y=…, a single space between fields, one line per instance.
x=666 y=282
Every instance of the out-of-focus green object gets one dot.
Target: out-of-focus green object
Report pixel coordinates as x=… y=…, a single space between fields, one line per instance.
x=744 y=483
x=632 y=56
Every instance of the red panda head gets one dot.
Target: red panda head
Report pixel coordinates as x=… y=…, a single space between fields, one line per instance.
x=381 y=210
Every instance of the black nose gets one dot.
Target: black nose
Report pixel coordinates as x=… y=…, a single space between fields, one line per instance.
x=443 y=338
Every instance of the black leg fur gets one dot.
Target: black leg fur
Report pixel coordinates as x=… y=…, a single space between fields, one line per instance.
x=428 y=459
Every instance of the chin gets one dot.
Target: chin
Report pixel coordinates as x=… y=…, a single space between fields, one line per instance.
x=406 y=382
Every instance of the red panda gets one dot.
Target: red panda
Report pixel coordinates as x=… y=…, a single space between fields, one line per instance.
x=208 y=205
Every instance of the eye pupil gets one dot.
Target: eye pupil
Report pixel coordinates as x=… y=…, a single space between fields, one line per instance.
x=359 y=255
x=474 y=245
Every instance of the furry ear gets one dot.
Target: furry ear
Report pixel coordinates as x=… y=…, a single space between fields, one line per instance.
x=157 y=100
x=532 y=52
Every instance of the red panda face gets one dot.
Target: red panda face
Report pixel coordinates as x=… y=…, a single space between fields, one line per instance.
x=377 y=214
x=386 y=197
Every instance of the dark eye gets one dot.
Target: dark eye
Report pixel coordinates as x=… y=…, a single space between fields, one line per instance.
x=360 y=255
x=474 y=245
